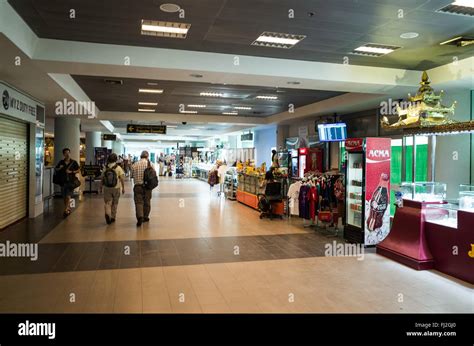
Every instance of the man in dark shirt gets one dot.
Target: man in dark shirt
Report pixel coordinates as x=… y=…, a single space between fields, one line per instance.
x=67 y=169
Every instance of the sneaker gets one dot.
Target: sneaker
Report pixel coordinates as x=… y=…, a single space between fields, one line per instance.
x=139 y=222
x=112 y=220
x=146 y=219
x=107 y=219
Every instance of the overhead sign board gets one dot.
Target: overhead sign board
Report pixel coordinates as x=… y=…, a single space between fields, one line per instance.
x=247 y=137
x=154 y=129
x=109 y=137
x=17 y=104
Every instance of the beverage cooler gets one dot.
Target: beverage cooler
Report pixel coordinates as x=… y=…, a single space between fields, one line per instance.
x=367 y=190
x=309 y=160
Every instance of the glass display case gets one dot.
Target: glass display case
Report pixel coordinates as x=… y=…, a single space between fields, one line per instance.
x=466 y=197
x=443 y=214
x=424 y=191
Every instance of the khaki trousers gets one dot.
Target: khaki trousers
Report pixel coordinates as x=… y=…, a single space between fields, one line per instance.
x=111 y=199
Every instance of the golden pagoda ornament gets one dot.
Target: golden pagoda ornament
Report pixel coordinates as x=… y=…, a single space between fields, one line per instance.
x=422 y=110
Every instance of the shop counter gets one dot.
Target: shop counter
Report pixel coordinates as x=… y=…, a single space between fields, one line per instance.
x=432 y=235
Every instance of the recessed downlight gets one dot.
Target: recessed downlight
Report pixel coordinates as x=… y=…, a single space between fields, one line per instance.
x=197 y=106
x=293 y=83
x=245 y=108
x=409 y=35
x=148 y=103
x=146 y=110
x=230 y=113
x=188 y=112
x=169 y=8
x=196 y=75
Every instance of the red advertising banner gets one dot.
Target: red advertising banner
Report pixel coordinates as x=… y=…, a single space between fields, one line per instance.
x=377 y=190
x=354 y=144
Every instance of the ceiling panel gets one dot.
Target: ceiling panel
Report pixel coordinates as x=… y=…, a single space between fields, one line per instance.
x=125 y=97
x=230 y=26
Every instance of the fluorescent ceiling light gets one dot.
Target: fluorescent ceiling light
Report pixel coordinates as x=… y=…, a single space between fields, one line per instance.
x=243 y=108
x=148 y=103
x=464 y=3
x=263 y=97
x=211 y=94
x=171 y=126
x=164 y=29
x=374 y=49
x=197 y=106
x=188 y=112
x=146 y=110
x=150 y=91
x=277 y=40
x=230 y=113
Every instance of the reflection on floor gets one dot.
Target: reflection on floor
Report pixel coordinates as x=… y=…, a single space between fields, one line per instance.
x=202 y=253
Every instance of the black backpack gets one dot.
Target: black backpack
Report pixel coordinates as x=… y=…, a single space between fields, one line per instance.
x=150 y=180
x=110 y=178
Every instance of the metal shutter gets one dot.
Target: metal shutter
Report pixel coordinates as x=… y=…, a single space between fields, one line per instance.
x=13 y=171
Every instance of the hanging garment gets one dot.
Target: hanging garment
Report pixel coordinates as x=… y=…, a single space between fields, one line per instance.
x=313 y=202
x=293 y=196
x=303 y=202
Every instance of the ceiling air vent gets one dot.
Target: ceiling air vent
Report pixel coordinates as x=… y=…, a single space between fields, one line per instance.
x=459 y=7
x=113 y=81
x=459 y=41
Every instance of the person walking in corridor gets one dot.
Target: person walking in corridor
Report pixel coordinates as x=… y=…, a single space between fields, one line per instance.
x=141 y=195
x=65 y=176
x=112 y=181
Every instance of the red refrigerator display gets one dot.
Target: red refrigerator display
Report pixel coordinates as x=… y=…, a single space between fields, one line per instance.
x=310 y=160
x=367 y=190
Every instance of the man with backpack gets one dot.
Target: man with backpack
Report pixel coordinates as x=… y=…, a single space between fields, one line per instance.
x=145 y=180
x=112 y=180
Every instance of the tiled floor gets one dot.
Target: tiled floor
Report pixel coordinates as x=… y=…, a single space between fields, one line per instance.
x=185 y=260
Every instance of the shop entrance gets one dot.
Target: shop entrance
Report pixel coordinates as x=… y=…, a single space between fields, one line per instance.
x=13 y=171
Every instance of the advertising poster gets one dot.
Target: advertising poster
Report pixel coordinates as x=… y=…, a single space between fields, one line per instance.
x=377 y=190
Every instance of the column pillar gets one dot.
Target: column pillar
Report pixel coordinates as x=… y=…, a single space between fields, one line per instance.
x=67 y=135
x=117 y=147
x=93 y=139
x=107 y=144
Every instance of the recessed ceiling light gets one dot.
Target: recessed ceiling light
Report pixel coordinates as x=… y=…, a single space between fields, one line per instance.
x=188 y=112
x=164 y=29
x=374 y=49
x=463 y=3
x=145 y=110
x=230 y=113
x=243 y=108
x=196 y=75
x=460 y=7
x=264 y=97
x=148 y=103
x=152 y=83
x=409 y=35
x=170 y=8
x=197 y=106
x=171 y=126
x=151 y=91
x=277 y=40
x=211 y=94
x=293 y=83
